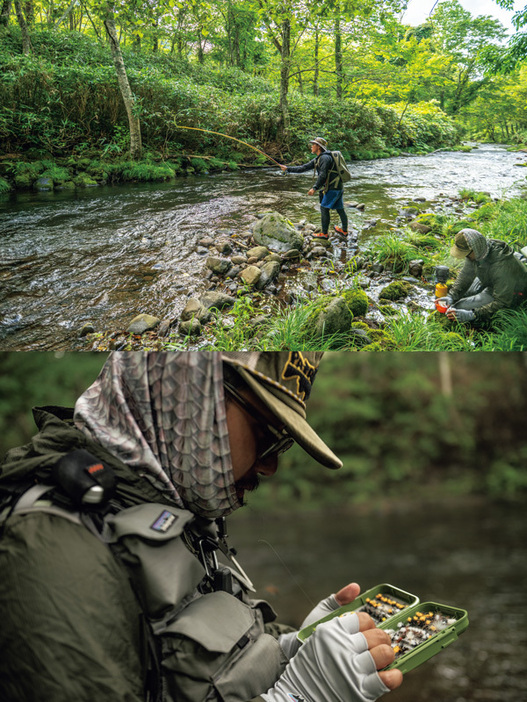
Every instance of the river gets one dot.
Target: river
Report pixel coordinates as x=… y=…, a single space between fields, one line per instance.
x=467 y=554
x=103 y=255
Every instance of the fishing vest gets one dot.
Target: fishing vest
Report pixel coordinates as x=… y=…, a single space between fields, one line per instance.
x=206 y=636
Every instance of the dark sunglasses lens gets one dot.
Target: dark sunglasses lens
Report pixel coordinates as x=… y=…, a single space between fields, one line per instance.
x=278 y=447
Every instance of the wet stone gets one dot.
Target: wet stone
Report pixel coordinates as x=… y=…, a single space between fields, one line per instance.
x=142 y=323
x=219 y=266
x=190 y=328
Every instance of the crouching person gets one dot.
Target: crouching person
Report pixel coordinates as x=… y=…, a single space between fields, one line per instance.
x=493 y=277
x=117 y=582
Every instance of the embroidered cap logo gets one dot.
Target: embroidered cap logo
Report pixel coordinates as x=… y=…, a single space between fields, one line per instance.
x=299 y=369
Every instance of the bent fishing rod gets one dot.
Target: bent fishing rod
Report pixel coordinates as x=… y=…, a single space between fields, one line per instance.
x=209 y=131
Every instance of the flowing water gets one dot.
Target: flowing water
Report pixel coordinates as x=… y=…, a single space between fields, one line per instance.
x=105 y=254
x=472 y=556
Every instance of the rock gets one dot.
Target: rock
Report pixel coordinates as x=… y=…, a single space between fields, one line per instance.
x=219 y=266
x=377 y=267
x=193 y=310
x=239 y=260
x=252 y=260
x=273 y=257
x=269 y=273
x=416 y=267
x=217 y=300
x=190 y=328
x=251 y=275
x=292 y=254
x=318 y=251
x=43 y=183
x=420 y=228
x=277 y=233
x=258 y=252
x=361 y=206
x=224 y=247
x=359 y=338
x=142 y=323
x=86 y=329
x=206 y=241
x=164 y=327
x=397 y=290
x=335 y=319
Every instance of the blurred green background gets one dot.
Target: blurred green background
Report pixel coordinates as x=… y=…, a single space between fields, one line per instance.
x=449 y=423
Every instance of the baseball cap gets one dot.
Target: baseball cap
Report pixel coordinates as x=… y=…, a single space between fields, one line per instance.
x=283 y=381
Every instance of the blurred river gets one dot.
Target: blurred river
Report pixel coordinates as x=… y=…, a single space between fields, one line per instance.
x=103 y=255
x=466 y=554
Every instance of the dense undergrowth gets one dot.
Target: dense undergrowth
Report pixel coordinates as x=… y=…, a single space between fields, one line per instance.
x=63 y=102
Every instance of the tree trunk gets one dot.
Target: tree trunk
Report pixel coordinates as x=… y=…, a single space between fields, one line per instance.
x=26 y=42
x=4 y=13
x=445 y=373
x=29 y=12
x=338 y=53
x=124 y=86
x=284 y=76
x=316 y=73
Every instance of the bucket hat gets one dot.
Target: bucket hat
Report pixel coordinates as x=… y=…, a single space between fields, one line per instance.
x=320 y=141
x=283 y=381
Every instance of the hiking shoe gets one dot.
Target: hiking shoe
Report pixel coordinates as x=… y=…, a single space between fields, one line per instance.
x=320 y=235
x=340 y=231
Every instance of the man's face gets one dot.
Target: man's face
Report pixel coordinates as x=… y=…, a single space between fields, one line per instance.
x=315 y=148
x=246 y=439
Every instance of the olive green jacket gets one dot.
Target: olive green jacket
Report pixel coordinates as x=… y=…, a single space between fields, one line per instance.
x=73 y=628
x=501 y=272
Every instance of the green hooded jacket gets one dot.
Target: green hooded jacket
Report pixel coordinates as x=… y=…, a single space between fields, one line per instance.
x=501 y=272
x=72 y=625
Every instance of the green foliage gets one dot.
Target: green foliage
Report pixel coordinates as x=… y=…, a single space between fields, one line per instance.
x=5 y=187
x=395 y=251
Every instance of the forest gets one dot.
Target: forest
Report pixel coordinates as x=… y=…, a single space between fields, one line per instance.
x=430 y=425
x=107 y=91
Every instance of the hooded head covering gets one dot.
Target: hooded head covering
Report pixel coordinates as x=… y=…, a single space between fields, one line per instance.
x=164 y=415
x=468 y=240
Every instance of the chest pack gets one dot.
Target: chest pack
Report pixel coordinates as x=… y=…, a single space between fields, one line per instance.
x=206 y=636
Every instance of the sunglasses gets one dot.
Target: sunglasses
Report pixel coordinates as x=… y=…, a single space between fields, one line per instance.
x=276 y=441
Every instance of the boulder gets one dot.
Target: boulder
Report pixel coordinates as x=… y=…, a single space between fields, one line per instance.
x=43 y=183
x=420 y=228
x=193 y=310
x=224 y=247
x=269 y=273
x=277 y=233
x=251 y=275
x=142 y=323
x=334 y=319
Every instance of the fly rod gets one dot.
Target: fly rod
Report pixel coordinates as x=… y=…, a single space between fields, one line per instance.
x=199 y=129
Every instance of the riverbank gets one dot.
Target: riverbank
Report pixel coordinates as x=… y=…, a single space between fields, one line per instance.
x=337 y=295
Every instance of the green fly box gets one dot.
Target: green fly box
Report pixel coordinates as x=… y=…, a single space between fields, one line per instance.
x=382 y=603
x=420 y=632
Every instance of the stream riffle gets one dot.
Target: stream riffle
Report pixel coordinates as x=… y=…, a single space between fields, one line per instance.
x=103 y=255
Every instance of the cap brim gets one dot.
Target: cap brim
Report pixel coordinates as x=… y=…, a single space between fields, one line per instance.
x=296 y=425
x=458 y=253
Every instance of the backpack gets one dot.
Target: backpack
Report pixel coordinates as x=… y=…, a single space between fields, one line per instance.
x=340 y=165
x=339 y=171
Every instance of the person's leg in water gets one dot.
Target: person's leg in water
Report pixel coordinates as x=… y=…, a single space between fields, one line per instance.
x=343 y=231
x=325 y=218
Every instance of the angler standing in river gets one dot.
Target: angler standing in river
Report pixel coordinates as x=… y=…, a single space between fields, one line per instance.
x=328 y=184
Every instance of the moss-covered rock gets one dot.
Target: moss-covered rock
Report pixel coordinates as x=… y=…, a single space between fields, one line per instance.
x=434 y=222
x=83 y=180
x=397 y=290
x=357 y=302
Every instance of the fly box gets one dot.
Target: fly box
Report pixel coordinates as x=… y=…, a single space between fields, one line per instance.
x=417 y=630
x=422 y=631
x=382 y=603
